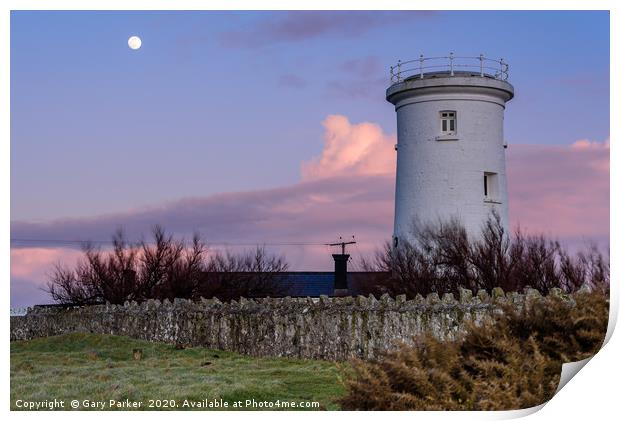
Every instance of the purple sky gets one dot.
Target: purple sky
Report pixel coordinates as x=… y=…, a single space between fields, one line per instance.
x=258 y=127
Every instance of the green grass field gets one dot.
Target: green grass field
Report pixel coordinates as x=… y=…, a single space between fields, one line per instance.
x=100 y=368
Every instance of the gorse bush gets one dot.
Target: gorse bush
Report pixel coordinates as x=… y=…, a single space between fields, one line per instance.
x=443 y=258
x=513 y=363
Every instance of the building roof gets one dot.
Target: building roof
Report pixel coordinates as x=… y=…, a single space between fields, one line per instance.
x=314 y=284
x=307 y=284
x=292 y=284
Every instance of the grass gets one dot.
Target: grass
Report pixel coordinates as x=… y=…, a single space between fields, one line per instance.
x=99 y=368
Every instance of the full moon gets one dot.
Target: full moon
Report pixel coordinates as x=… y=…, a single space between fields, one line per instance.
x=134 y=42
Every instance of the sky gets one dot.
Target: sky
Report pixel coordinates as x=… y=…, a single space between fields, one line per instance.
x=258 y=127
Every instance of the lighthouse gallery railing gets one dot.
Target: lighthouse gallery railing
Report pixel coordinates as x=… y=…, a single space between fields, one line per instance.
x=479 y=65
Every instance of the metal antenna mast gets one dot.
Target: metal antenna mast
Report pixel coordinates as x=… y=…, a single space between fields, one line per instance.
x=342 y=244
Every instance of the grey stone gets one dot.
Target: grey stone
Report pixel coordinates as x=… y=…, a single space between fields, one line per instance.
x=433 y=298
x=465 y=295
x=419 y=300
x=448 y=298
x=497 y=292
x=585 y=289
x=298 y=328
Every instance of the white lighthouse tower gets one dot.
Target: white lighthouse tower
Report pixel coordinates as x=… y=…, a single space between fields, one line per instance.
x=450 y=150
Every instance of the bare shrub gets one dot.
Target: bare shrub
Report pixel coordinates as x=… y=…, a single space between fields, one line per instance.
x=406 y=271
x=98 y=277
x=442 y=258
x=589 y=266
x=169 y=268
x=513 y=363
x=250 y=274
x=164 y=268
x=490 y=257
x=536 y=262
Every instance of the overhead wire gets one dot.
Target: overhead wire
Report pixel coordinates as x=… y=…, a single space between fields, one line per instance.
x=218 y=243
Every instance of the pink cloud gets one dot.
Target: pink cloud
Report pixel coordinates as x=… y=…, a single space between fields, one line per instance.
x=351 y=149
x=30 y=268
x=589 y=144
x=35 y=262
x=347 y=190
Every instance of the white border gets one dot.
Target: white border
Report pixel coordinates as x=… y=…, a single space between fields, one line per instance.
x=592 y=394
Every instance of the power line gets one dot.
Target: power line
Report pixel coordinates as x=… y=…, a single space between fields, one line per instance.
x=208 y=243
x=342 y=244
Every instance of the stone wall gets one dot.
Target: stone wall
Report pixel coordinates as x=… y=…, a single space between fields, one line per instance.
x=317 y=328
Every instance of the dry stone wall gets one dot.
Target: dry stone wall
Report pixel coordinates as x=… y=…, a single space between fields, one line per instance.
x=316 y=328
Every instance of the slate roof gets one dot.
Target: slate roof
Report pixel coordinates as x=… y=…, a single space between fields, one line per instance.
x=307 y=284
x=314 y=284
x=292 y=284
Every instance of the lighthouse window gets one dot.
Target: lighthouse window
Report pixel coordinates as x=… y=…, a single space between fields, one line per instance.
x=491 y=189
x=448 y=122
x=486 y=185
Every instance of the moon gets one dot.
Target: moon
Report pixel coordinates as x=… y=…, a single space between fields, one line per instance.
x=134 y=42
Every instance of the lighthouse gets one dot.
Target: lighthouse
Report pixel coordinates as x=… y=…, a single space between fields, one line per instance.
x=450 y=148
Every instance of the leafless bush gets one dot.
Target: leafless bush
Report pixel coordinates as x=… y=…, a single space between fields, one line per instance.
x=249 y=274
x=98 y=277
x=589 y=266
x=164 y=268
x=169 y=268
x=441 y=258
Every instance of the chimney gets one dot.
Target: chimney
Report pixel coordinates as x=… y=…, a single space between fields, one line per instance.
x=341 y=287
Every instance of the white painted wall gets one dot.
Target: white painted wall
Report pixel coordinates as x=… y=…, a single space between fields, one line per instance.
x=440 y=179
